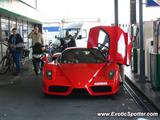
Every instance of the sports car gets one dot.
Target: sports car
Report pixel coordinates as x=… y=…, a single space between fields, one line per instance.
x=94 y=69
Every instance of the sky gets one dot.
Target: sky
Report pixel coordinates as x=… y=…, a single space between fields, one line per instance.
x=103 y=9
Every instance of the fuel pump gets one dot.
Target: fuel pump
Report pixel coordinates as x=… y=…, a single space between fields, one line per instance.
x=148 y=45
x=155 y=57
x=134 y=34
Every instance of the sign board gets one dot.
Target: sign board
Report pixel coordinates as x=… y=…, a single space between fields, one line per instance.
x=152 y=3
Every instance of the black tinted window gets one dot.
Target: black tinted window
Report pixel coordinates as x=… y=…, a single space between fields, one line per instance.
x=82 y=56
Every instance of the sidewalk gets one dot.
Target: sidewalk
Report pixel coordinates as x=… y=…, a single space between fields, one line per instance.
x=8 y=78
x=144 y=87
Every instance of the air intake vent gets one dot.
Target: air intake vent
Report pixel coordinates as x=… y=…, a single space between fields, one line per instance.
x=97 y=89
x=80 y=92
x=58 y=88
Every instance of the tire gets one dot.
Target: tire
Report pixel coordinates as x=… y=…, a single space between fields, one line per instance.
x=4 y=65
x=36 y=64
x=36 y=69
x=12 y=66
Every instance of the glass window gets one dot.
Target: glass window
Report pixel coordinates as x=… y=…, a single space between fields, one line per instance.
x=30 y=28
x=12 y=24
x=19 y=27
x=84 y=33
x=5 y=34
x=67 y=33
x=4 y=28
x=25 y=34
x=103 y=41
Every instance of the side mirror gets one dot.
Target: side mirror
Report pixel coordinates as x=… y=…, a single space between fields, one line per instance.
x=79 y=37
x=56 y=36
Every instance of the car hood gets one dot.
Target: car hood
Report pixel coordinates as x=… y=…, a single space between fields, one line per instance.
x=80 y=74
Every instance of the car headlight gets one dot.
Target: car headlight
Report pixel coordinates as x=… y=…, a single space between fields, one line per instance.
x=49 y=74
x=111 y=74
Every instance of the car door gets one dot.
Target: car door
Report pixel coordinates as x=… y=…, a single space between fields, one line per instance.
x=112 y=40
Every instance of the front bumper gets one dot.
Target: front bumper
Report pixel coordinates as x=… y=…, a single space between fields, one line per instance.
x=91 y=90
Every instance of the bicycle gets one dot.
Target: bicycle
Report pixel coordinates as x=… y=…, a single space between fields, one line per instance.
x=7 y=62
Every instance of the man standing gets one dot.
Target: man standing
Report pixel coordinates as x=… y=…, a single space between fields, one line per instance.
x=16 y=44
x=37 y=42
x=36 y=36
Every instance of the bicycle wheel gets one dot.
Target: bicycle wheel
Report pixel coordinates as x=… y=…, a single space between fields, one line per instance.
x=12 y=66
x=4 y=65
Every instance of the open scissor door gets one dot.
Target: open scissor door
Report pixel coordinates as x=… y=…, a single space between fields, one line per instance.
x=113 y=41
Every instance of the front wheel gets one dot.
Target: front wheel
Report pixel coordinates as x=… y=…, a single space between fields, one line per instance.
x=12 y=66
x=4 y=65
x=36 y=64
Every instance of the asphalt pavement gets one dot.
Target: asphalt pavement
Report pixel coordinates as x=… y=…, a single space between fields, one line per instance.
x=21 y=98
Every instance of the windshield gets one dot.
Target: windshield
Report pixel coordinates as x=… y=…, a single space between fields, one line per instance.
x=82 y=56
x=67 y=33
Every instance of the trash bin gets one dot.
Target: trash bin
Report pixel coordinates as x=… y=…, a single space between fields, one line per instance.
x=155 y=70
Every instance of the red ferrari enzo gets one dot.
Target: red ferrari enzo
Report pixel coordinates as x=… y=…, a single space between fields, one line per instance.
x=94 y=69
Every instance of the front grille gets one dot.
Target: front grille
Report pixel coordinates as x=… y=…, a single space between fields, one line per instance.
x=80 y=92
x=97 y=89
x=58 y=88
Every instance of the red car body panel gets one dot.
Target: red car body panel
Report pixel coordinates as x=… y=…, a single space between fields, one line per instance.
x=94 y=78
x=81 y=76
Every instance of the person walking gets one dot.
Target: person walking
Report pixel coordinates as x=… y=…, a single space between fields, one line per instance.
x=16 y=45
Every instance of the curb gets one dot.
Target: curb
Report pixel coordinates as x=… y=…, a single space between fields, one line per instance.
x=150 y=100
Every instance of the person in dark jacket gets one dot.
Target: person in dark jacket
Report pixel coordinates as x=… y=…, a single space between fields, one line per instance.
x=16 y=44
x=72 y=42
